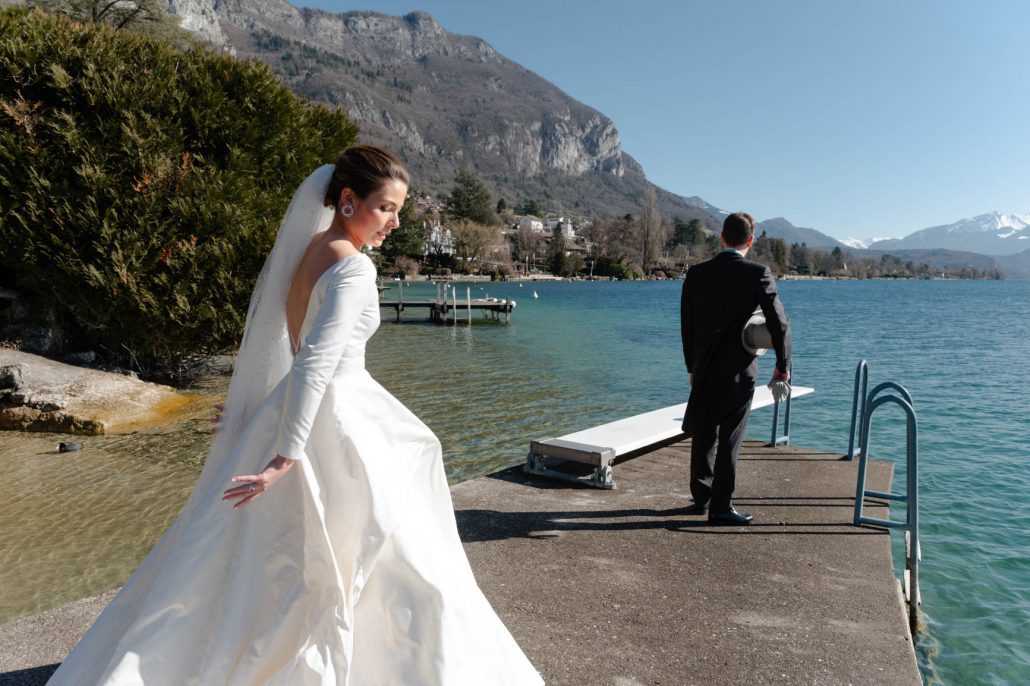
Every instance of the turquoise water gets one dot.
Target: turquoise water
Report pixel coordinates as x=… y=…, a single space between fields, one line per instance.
x=589 y=352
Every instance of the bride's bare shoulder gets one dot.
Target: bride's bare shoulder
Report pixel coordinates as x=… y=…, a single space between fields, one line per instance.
x=341 y=249
x=324 y=251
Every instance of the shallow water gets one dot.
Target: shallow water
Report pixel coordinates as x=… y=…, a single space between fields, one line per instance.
x=77 y=524
x=585 y=353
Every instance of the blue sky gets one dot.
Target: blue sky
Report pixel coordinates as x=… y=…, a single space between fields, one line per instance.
x=858 y=119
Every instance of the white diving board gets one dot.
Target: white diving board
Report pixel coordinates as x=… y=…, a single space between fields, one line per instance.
x=599 y=446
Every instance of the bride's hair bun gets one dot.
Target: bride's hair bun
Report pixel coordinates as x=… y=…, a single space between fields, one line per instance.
x=363 y=169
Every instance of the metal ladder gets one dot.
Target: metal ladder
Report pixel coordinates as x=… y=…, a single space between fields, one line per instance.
x=869 y=404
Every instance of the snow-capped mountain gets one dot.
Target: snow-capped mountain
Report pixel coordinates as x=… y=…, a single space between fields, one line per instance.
x=862 y=243
x=988 y=234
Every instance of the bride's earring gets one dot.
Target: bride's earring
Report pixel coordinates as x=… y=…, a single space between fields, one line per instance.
x=347 y=210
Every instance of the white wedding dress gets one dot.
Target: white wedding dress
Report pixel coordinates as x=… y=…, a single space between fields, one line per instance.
x=347 y=571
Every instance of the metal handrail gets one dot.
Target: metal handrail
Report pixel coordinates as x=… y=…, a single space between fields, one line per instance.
x=911 y=497
x=785 y=438
x=858 y=409
x=861 y=380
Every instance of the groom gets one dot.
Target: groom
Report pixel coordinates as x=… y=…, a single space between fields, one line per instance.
x=718 y=298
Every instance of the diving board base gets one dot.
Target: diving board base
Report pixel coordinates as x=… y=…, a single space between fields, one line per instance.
x=597 y=475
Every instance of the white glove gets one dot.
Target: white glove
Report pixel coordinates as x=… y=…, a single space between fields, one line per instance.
x=780 y=389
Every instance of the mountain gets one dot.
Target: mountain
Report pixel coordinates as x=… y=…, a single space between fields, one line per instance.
x=718 y=214
x=1015 y=266
x=776 y=228
x=441 y=101
x=781 y=228
x=988 y=234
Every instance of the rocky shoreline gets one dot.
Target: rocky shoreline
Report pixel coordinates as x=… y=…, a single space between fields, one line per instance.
x=39 y=394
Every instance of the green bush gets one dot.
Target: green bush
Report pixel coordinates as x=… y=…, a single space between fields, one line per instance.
x=143 y=185
x=606 y=266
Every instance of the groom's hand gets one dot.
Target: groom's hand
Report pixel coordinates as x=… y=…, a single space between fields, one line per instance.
x=781 y=376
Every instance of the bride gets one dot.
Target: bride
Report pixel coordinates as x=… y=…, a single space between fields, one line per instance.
x=339 y=562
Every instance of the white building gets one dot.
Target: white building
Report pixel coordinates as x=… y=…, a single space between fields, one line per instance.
x=441 y=242
x=532 y=223
x=563 y=224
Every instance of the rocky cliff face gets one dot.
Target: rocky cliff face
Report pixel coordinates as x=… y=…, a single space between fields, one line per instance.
x=442 y=101
x=199 y=17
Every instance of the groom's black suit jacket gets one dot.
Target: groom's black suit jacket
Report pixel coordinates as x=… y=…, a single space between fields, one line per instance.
x=718 y=298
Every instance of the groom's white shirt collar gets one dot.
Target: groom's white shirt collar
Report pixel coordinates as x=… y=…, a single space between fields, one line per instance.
x=733 y=250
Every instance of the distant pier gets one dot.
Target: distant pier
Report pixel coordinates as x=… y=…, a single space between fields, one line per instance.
x=451 y=307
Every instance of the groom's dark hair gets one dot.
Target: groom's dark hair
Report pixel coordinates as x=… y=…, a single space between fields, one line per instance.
x=737 y=228
x=363 y=169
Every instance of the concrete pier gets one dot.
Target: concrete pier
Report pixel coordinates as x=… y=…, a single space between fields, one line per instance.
x=625 y=588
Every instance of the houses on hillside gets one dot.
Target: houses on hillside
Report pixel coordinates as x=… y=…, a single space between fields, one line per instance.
x=547 y=225
x=517 y=241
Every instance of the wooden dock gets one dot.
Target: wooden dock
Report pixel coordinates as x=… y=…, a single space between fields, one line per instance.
x=448 y=307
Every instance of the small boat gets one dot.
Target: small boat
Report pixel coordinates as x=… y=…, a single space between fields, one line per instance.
x=535 y=295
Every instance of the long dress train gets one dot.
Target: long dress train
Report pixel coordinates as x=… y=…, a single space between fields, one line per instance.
x=348 y=571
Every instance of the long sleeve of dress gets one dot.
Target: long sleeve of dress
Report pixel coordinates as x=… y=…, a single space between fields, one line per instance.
x=347 y=295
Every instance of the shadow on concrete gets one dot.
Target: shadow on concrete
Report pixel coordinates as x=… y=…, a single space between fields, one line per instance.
x=492 y=525
x=29 y=677
x=781 y=457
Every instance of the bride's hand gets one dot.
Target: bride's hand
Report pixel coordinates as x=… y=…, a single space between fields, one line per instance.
x=255 y=484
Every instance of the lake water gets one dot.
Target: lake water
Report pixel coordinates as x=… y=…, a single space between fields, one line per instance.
x=589 y=352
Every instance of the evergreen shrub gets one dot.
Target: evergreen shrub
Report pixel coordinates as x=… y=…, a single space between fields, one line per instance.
x=142 y=185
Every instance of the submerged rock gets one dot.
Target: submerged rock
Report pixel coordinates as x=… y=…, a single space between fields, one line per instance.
x=38 y=394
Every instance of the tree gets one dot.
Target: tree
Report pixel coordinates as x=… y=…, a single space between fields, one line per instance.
x=650 y=230
x=408 y=239
x=615 y=238
x=142 y=16
x=801 y=258
x=471 y=240
x=501 y=205
x=687 y=232
x=573 y=265
x=530 y=207
x=558 y=258
x=838 y=257
x=527 y=246
x=778 y=248
x=138 y=211
x=469 y=199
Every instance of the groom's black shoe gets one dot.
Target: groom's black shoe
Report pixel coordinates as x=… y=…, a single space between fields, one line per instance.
x=729 y=516
x=698 y=509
